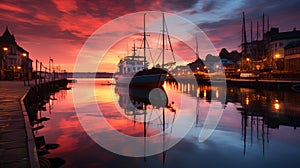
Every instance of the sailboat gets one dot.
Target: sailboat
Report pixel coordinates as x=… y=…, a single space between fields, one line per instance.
x=133 y=69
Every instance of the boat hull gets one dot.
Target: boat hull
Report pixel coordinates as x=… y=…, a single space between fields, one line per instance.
x=154 y=77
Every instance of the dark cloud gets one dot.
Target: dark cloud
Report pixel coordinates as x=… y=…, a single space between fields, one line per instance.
x=178 y=5
x=210 y=5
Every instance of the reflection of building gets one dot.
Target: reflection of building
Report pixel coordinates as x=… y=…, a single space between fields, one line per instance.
x=2 y=65
x=292 y=57
x=15 y=61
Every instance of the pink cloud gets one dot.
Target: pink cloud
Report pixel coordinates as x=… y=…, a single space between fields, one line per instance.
x=65 y=6
x=12 y=8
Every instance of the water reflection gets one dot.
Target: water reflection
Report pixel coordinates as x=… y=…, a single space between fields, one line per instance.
x=260 y=110
x=254 y=124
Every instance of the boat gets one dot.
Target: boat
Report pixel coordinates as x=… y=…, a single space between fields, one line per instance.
x=133 y=69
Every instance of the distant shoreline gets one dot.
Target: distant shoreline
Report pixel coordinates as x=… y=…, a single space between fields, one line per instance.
x=89 y=75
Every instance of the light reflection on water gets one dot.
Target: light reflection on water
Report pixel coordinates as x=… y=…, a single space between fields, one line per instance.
x=257 y=129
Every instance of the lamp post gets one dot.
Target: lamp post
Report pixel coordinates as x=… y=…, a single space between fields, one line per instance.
x=5 y=50
x=24 y=68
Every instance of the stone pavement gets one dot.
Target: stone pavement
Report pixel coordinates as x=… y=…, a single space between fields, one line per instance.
x=13 y=137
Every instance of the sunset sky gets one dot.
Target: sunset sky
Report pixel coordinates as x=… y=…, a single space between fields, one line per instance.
x=58 y=29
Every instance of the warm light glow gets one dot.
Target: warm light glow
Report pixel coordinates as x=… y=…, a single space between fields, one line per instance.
x=247 y=100
x=277 y=55
x=277 y=105
x=5 y=49
x=24 y=54
x=247 y=59
x=18 y=67
x=204 y=94
x=217 y=93
x=205 y=67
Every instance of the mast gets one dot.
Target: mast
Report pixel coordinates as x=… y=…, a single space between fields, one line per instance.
x=251 y=36
x=268 y=24
x=263 y=21
x=244 y=37
x=145 y=41
x=256 y=53
x=197 y=49
x=163 y=41
x=263 y=35
x=257 y=31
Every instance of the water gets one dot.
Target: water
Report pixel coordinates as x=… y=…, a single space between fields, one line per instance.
x=256 y=129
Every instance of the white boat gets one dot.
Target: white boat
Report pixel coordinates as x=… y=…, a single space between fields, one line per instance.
x=134 y=72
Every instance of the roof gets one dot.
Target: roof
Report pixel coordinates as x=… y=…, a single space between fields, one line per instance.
x=295 y=34
x=292 y=44
x=197 y=63
x=7 y=37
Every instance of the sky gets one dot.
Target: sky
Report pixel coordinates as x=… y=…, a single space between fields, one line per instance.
x=59 y=29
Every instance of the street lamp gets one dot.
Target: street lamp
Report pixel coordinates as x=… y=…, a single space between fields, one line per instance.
x=5 y=49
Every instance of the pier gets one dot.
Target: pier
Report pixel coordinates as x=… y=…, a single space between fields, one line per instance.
x=17 y=143
x=14 y=138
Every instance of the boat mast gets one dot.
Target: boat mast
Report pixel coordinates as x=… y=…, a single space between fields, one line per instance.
x=145 y=41
x=163 y=41
x=197 y=49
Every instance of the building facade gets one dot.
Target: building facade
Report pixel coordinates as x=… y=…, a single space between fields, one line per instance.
x=292 y=57
x=15 y=61
x=277 y=41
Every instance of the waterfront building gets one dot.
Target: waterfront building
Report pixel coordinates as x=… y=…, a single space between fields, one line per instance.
x=277 y=41
x=292 y=57
x=197 y=66
x=2 y=68
x=16 y=64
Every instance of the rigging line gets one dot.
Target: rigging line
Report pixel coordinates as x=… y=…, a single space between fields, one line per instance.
x=158 y=57
x=157 y=47
x=169 y=39
x=150 y=52
x=139 y=49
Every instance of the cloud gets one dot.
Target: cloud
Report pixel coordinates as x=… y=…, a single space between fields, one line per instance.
x=65 y=6
x=70 y=23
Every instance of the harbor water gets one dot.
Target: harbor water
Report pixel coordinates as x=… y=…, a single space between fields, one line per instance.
x=255 y=129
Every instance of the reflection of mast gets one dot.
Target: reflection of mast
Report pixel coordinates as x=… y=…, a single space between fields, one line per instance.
x=145 y=133
x=244 y=129
x=164 y=134
x=260 y=119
